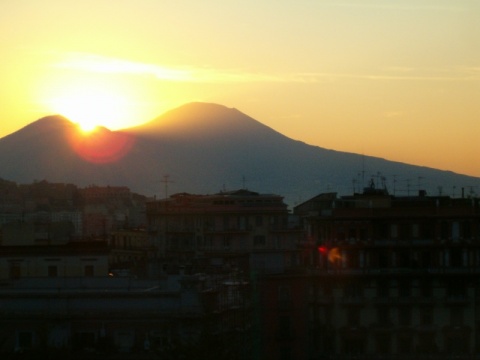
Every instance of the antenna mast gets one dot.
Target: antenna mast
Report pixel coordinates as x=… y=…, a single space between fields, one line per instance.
x=166 y=180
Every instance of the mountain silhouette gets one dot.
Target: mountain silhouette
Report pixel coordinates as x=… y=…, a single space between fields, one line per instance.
x=205 y=148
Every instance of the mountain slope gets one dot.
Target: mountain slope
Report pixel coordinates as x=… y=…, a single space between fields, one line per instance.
x=204 y=148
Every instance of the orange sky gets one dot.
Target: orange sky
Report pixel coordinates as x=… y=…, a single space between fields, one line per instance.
x=394 y=79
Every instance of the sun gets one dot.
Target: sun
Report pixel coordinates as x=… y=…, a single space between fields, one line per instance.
x=92 y=105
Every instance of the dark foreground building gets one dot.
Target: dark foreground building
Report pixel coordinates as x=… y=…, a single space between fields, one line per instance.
x=235 y=276
x=173 y=317
x=391 y=278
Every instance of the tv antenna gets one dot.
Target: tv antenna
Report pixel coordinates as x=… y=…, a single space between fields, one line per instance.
x=166 y=180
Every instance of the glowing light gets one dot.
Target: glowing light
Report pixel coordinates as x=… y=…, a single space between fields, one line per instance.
x=90 y=105
x=334 y=255
x=102 y=146
x=322 y=249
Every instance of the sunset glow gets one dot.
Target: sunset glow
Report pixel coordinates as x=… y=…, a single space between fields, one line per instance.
x=91 y=105
x=101 y=146
x=396 y=80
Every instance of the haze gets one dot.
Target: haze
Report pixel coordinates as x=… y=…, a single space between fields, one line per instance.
x=394 y=79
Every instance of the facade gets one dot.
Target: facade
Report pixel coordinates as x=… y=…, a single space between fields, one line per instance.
x=392 y=277
x=79 y=259
x=129 y=252
x=123 y=318
x=238 y=229
x=46 y=213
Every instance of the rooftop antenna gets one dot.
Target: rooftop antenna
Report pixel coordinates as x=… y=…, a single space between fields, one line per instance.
x=166 y=180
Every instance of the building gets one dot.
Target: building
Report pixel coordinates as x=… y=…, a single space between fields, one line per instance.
x=391 y=277
x=124 y=318
x=237 y=229
x=75 y=259
x=130 y=250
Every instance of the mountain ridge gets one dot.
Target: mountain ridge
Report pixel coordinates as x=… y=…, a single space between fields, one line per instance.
x=204 y=148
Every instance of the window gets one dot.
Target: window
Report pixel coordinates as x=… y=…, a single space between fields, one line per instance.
x=383 y=259
x=456 y=316
x=405 y=344
x=242 y=223
x=456 y=289
x=456 y=257
x=426 y=316
x=258 y=220
x=354 y=345
x=352 y=259
x=52 y=271
x=286 y=353
x=383 y=315
x=15 y=270
x=426 y=289
x=89 y=270
x=353 y=290
x=394 y=231
x=426 y=259
x=404 y=316
x=226 y=223
x=415 y=230
x=404 y=259
x=404 y=289
x=426 y=343
x=383 y=288
x=383 y=343
x=284 y=296
x=226 y=242
x=284 y=327
x=259 y=240
x=444 y=229
x=353 y=316
x=24 y=340
x=455 y=231
x=84 y=341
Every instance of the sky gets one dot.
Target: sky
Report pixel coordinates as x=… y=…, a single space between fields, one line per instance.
x=393 y=79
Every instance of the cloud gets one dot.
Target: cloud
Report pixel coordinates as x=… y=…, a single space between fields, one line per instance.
x=402 y=6
x=102 y=64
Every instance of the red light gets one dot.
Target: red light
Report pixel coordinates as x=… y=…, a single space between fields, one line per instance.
x=322 y=249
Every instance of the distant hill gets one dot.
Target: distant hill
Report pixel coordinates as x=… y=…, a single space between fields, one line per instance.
x=205 y=148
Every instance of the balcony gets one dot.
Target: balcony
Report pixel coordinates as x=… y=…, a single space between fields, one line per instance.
x=353 y=300
x=228 y=229
x=456 y=299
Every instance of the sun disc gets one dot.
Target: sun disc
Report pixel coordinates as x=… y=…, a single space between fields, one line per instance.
x=91 y=106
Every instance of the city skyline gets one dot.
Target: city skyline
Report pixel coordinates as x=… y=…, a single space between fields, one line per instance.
x=335 y=74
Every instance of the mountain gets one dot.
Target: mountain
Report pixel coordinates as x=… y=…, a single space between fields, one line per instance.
x=205 y=148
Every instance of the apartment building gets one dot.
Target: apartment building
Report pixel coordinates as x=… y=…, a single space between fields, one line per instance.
x=75 y=259
x=236 y=229
x=125 y=318
x=391 y=277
